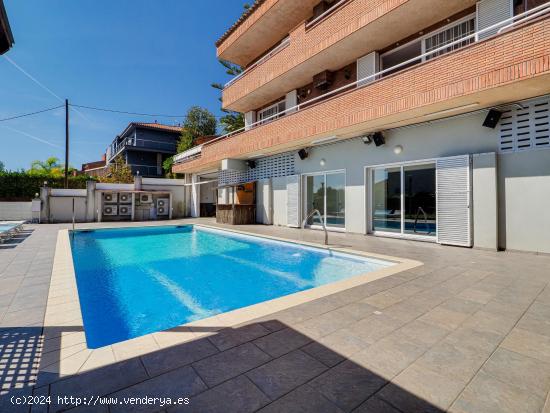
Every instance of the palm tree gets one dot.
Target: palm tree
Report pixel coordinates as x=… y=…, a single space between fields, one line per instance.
x=50 y=166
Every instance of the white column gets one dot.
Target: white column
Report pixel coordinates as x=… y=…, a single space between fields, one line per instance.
x=195 y=197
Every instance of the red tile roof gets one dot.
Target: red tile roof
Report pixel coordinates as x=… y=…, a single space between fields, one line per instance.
x=243 y=17
x=170 y=128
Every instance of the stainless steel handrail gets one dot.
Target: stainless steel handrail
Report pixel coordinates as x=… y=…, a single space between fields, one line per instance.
x=316 y=211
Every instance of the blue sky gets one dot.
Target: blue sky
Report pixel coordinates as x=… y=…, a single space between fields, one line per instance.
x=147 y=56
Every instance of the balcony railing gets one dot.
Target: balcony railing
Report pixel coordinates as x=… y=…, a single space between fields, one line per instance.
x=325 y=14
x=134 y=142
x=453 y=46
x=284 y=43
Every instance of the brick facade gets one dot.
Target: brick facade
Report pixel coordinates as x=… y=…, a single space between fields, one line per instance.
x=508 y=59
x=307 y=43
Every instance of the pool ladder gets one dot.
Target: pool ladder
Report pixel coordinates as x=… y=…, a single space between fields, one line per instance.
x=316 y=211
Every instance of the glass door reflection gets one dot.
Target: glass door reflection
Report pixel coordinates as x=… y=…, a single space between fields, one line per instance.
x=326 y=192
x=386 y=196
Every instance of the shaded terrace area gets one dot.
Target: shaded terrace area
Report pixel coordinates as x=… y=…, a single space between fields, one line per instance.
x=466 y=332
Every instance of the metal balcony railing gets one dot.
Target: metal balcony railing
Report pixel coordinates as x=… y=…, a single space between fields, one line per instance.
x=132 y=141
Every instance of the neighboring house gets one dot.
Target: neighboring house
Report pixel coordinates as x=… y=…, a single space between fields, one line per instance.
x=417 y=119
x=97 y=168
x=144 y=147
x=6 y=37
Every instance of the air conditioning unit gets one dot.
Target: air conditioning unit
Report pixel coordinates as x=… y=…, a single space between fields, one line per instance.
x=110 y=197
x=162 y=206
x=110 y=210
x=124 y=210
x=125 y=198
x=323 y=80
x=145 y=198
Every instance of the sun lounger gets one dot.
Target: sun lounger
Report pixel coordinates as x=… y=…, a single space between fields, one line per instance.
x=9 y=228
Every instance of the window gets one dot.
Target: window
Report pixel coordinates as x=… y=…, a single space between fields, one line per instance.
x=432 y=41
x=450 y=35
x=326 y=193
x=268 y=114
x=404 y=199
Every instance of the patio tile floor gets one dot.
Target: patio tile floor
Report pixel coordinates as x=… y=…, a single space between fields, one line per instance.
x=468 y=331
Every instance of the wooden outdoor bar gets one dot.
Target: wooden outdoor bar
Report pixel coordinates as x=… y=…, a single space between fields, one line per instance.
x=242 y=208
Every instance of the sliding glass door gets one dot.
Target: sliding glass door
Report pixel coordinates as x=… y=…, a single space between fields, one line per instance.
x=326 y=193
x=403 y=200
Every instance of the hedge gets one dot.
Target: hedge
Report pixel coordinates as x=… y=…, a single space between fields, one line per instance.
x=20 y=185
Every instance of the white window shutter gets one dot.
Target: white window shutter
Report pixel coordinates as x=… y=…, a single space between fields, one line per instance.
x=490 y=12
x=291 y=100
x=366 y=66
x=293 y=200
x=454 y=200
x=249 y=119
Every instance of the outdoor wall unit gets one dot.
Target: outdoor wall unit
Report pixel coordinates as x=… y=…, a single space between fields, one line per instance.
x=110 y=210
x=145 y=198
x=162 y=206
x=125 y=210
x=323 y=80
x=110 y=197
x=125 y=198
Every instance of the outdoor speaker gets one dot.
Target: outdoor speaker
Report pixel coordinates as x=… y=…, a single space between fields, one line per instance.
x=378 y=139
x=251 y=164
x=302 y=153
x=492 y=118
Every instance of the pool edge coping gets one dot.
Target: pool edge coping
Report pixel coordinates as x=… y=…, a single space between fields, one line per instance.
x=76 y=357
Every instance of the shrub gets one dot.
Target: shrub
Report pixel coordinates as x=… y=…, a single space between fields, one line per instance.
x=21 y=185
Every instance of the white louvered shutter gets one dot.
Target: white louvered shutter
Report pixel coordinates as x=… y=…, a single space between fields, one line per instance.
x=490 y=12
x=291 y=100
x=454 y=200
x=293 y=200
x=366 y=66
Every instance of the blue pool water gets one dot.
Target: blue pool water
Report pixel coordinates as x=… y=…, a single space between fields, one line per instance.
x=136 y=281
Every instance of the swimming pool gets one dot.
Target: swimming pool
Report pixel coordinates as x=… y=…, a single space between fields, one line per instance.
x=135 y=281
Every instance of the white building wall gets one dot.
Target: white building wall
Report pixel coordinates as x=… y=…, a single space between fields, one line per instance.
x=456 y=136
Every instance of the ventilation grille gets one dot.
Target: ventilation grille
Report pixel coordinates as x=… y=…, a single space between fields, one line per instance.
x=453 y=201
x=525 y=129
x=270 y=167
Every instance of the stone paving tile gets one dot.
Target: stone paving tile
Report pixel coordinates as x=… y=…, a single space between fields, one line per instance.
x=419 y=389
x=302 y=400
x=101 y=381
x=422 y=332
x=325 y=323
x=285 y=373
x=529 y=344
x=375 y=327
x=326 y=355
x=536 y=319
x=231 y=337
x=158 y=362
x=529 y=374
x=183 y=382
x=376 y=405
x=230 y=363
x=235 y=395
x=489 y=395
x=343 y=342
x=282 y=342
x=347 y=385
x=391 y=355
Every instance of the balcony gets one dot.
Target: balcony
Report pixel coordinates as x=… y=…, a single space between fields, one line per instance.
x=259 y=29
x=132 y=142
x=315 y=46
x=511 y=66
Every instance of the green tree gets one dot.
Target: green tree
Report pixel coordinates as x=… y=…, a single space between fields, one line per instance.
x=118 y=172
x=167 y=166
x=231 y=121
x=198 y=122
x=2 y=167
x=50 y=166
